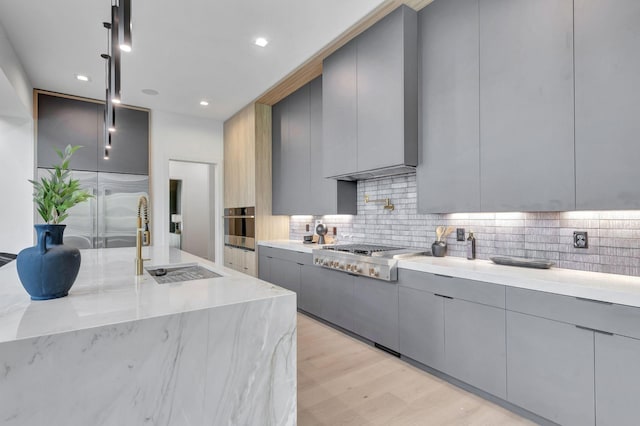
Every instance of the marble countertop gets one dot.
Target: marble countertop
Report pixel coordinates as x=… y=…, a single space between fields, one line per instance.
x=621 y=289
x=293 y=245
x=107 y=291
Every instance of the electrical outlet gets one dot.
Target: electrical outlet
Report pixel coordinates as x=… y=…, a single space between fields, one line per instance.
x=580 y=239
x=307 y=229
x=460 y=234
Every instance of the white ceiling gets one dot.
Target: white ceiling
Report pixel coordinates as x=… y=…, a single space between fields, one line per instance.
x=187 y=50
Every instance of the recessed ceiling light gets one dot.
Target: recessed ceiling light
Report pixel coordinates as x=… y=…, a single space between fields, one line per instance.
x=82 y=77
x=150 y=92
x=204 y=103
x=261 y=41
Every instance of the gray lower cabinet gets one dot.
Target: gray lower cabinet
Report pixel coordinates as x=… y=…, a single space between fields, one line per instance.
x=617 y=378
x=550 y=369
x=327 y=294
x=375 y=311
x=475 y=347
x=264 y=266
x=421 y=326
x=285 y=273
x=526 y=105
x=607 y=65
x=448 y=173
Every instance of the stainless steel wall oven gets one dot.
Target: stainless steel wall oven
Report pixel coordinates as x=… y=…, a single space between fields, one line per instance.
x=240 y=227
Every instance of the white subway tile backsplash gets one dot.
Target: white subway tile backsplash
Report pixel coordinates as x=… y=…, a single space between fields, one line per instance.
x=614 y=236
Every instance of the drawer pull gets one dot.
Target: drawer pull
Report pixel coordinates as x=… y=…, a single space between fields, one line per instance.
x=443 y=276
x=442 y=295
x=301 y=264
x=594 y=330
x=602 y=302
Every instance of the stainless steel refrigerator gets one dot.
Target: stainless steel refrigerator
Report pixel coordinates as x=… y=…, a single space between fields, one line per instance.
x=108 y=219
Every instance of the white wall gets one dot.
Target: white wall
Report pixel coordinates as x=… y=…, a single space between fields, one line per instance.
x=183 y=138
x=17 y=77
x=16 y=151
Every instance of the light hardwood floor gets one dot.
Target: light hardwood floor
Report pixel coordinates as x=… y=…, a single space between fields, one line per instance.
x=342 y=381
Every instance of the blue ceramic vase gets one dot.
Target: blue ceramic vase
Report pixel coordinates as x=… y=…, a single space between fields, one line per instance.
x=48 y=270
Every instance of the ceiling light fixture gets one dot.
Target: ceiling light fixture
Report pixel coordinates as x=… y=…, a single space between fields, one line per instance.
x=125 y=25
x=204 y=103
x=261 y=41
x=82 y=77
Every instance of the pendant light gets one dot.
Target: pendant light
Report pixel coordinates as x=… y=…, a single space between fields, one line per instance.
x=115 y=55
x=125 y=25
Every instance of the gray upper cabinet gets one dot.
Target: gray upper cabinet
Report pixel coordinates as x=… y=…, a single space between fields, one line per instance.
x=130 y=143
x=448 y=173
x=526 y=105
x=291 y=154
x=63 y=121
x=387 y=92
x=607 y=66
x=297 y=140
x=550 y=369
x=370 y=100
x=339 y=112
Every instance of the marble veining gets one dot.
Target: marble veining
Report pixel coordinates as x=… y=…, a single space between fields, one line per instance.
x=228 y=359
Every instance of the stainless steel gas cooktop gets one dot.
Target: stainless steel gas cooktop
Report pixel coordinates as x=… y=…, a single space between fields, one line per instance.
x=368 y=260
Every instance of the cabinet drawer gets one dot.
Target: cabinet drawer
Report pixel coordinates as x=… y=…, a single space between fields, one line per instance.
x=458 y=288
x=290 y=255
x=604 y=316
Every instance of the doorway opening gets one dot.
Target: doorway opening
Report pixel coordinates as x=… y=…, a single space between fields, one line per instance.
x=191 y=207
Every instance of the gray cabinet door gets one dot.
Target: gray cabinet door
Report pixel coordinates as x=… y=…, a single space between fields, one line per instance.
x=264 y=267
x=387 y=88
x=475 y=345
x=448 y=173
x=375 y=311
x=130 y=143
x=285 y=274
x=617 y=380
x=328 y=196
x=550 y=369
x=339 y=112
x=327 y=294
x=607 y=66
x=64 y=121
x=421 y=326
x=291 y=153
x=526 y=105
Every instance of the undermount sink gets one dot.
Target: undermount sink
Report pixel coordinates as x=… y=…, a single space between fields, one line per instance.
x=179 y=273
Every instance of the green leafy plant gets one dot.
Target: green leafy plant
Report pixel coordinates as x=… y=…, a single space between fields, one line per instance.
x=58 y=192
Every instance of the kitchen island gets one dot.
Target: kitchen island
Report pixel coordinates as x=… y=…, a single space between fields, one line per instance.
x=122 y=349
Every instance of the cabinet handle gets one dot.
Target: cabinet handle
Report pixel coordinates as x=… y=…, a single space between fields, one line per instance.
x=594 y=301
x=301 y=264
x=443 y=276
x=594 y=330
x=269 y=257
x=442 y=295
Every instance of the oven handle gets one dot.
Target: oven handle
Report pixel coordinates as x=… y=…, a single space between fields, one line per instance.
x=239 y=217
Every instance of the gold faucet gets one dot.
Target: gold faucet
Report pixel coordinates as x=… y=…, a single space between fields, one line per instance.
x=143 y=236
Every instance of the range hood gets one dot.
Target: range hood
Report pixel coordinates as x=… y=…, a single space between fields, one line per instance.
x=376 y=173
